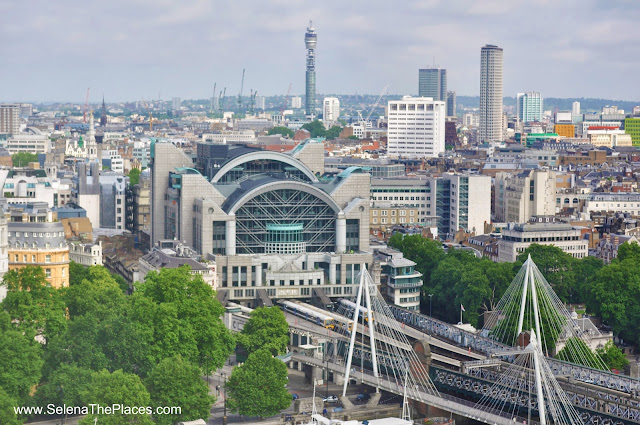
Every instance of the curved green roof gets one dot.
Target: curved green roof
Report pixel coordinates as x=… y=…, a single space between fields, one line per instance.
x=350 y=170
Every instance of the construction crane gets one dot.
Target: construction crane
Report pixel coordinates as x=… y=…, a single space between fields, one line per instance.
x=86 y=106
x=286 y=100
x=213 y=99
x=375 y=105
x=223 y=93
x=253 y=99
x=240 y=95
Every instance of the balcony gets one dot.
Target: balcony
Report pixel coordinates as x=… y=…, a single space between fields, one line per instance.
x=399 y=284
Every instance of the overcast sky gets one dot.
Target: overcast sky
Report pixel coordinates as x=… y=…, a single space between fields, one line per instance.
x=134 y=49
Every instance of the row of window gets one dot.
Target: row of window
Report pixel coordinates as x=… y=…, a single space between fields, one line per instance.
x=400 y=198
x=37 y=234
x=383 y=220
x=25 y=258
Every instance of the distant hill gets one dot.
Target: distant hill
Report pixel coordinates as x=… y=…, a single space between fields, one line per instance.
x=550 y=103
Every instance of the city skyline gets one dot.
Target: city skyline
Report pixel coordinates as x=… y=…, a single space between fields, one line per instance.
x=133 y=51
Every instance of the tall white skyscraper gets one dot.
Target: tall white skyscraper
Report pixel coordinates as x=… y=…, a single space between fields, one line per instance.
x=330 y=109
x=491 y=93
x=575 y=110
x=416 y=127
x=529 y=106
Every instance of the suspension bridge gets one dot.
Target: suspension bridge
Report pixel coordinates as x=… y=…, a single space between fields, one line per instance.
x=496 y=376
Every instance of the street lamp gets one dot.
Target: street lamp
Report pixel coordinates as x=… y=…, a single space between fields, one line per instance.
x=430 y=295
x=224 y=418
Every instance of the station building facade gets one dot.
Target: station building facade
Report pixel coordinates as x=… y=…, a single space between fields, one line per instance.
x=273 y=224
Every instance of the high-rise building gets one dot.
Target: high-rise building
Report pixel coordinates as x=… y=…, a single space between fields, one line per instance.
x=10 y=118
x=260 y=102
x=176 y=103
x=575 y=110
x=416 y=127
x=331 y=109
x=296 y=102
x=529 y=106
x=310 y=41
x=491 y=93
x=451 y=103
x=432 y=82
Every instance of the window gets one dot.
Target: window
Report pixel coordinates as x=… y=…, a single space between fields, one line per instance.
x=47 y=258
x=47 y=272
x=64 y=272
x=16 y=258
x=33 y=258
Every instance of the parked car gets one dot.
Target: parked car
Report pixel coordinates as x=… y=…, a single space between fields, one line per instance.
x=363 y=397
x=294 y=396
x=330 y=399
x=337 y=409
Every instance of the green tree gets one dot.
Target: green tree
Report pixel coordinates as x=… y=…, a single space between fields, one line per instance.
x=586 y=271
x=77 y=273
x=21 y=359
x=134 y=176
x=612 y=356
x=186 y=312
x=283 y=131
x=315 y=128
x=97 y=294
x=33 y=304
x=258 y=387
x=22 y=159
x=7 y=414
x=426 y=253
x=556 y=266
x=66 y=385
x=267 y=328
x=176 y=382
x=614 y=297
x=117 y=388
x=629 y=250
x=577 y=352
x=333 y=132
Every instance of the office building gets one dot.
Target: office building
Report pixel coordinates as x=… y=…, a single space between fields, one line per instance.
x=401 y=282
x=575 y=109
x=609 y=138
x=260 y=103
x=142 y=204
x=444 y=204
x=632 y=127
x=87 y=254
x=296 y=102
x=529 y=107
x=491 y=93
x=565 y=130
x=176 y=103
x=432 y=82
x=451 y=103
x=310 y=41
x=516 y=238
x=274 y=229
x=416 y=127
x=518 y=197
x=330 y=110
x=36 y=238
x=10 y=118
x=113 y=203
x=33 y=142
x=86 y=190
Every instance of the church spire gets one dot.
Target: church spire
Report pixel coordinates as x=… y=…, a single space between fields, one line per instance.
x=103 y=114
